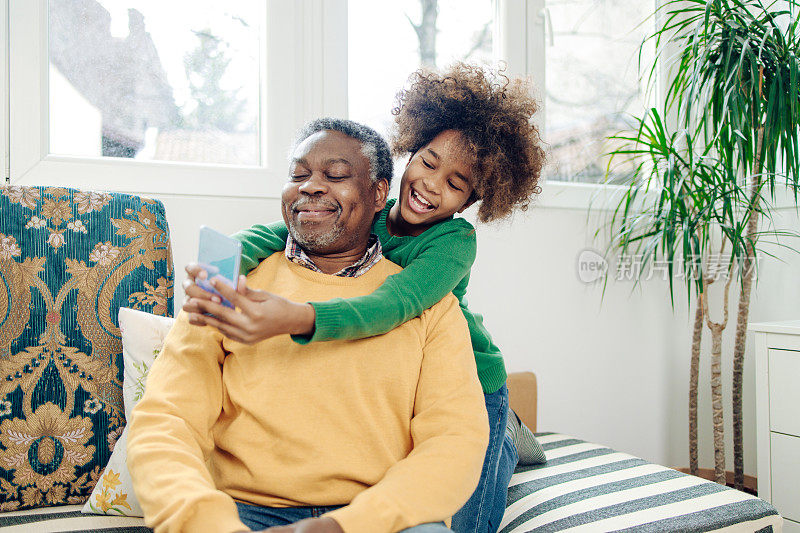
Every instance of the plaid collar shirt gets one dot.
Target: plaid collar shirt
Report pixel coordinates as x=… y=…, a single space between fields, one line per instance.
x=374 y=253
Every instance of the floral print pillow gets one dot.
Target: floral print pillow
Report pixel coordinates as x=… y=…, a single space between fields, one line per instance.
x=113 y=493
x=142 y=338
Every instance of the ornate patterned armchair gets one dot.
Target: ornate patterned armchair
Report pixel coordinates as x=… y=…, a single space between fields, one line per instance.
x=69 y=260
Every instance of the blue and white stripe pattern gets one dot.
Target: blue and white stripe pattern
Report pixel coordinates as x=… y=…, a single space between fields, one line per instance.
x=68 y=518
x=582 y=487
x=589 y=487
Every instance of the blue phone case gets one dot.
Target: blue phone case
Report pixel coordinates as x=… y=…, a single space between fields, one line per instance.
x=220 y=256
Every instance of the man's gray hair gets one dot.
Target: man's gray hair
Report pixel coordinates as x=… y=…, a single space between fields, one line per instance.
x=373 y=146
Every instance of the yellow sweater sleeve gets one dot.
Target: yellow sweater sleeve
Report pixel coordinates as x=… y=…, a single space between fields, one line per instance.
x=170 y=436
x=450 y=431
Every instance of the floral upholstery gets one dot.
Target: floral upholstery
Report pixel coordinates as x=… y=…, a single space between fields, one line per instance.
x=68 y=261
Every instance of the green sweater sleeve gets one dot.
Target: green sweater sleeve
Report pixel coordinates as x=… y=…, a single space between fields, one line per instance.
x=260 y=242
x=433 y=267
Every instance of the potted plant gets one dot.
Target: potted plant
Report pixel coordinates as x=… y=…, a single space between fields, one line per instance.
x=703 y=168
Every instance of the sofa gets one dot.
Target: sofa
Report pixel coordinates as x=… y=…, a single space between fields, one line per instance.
x=69 y=260
x=585 y=486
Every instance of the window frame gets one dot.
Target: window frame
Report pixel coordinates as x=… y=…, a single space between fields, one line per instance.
x=311 y=82
x=288 y=99
x=528 y=57
x=4 y=114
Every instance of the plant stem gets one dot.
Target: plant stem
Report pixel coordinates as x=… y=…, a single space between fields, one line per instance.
x=742 y=315
x=716 y=405
x=694 y=377
x=716 y=381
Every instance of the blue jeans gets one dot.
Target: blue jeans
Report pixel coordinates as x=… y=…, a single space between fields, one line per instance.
x=258 y=518
x=484 y=510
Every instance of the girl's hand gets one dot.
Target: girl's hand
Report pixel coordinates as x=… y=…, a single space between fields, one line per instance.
x=258 y=315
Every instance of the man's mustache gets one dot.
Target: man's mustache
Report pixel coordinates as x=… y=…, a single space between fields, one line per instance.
x=317 y=203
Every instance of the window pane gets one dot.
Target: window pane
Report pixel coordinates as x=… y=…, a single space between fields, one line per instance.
x=387 y=41
x=592 y=81
x=156 y=80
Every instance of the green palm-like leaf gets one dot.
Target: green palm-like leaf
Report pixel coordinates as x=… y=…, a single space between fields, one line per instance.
x=700 y=183
x=734 y=71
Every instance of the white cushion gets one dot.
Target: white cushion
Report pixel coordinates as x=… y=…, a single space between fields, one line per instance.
x=142 y=338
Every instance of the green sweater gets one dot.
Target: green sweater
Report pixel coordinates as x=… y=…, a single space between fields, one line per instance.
x=436 y=262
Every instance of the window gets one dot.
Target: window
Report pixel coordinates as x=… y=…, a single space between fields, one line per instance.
x=154 y=80
x=167 y=97
x=204 y=97
x=387 y=41
x=582 y=55
x=592 y=82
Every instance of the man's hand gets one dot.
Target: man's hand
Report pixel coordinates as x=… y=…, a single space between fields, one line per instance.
x=258 y=315
x=309 y=525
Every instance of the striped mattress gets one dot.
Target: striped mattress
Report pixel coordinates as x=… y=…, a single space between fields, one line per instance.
x=67 y=518
x=582 y=487
x=589 y=487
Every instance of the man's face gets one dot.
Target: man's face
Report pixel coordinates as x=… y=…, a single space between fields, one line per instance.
x=330 y=201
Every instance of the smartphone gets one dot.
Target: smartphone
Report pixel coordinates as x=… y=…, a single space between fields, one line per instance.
x=220 y=256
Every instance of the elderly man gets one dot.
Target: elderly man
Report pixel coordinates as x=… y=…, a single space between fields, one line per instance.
x=381 y=434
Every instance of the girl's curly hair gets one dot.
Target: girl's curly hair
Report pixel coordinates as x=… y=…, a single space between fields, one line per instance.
x=493 y=114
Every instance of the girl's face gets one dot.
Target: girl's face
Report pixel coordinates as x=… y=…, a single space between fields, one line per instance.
x=437 y=182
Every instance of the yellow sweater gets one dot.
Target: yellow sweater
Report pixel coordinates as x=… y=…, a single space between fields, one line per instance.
x=393 y=425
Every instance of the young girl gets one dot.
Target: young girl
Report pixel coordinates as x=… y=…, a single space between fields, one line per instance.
x=470 y=137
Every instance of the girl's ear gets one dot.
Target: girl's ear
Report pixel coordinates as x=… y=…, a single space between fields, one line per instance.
x=468 y=203
x=471 y=200
x=411 y=156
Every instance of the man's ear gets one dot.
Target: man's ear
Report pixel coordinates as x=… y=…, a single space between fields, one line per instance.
x=381 y=189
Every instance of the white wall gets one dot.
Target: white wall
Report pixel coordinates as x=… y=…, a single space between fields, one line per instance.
x=614 y=372
x=186 y=214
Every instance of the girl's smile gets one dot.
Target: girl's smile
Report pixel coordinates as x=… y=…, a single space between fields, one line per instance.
x=418 y=203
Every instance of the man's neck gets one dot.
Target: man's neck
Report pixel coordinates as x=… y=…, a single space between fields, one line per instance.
x=351 y=262
x=333 y=263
